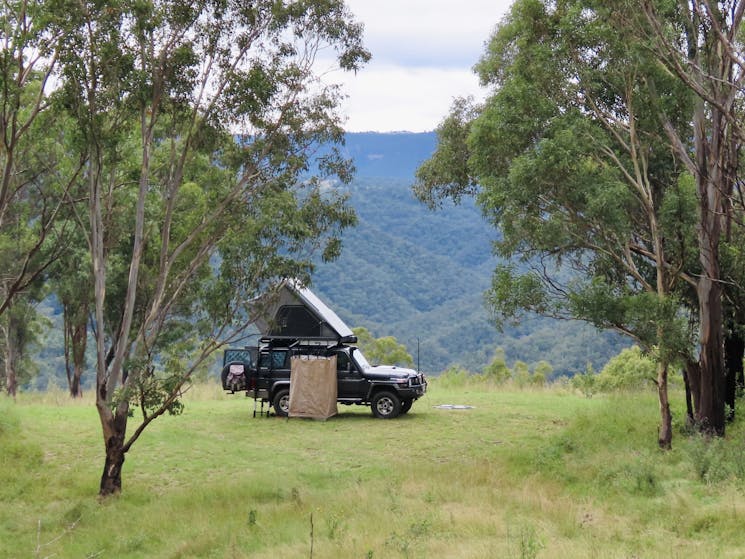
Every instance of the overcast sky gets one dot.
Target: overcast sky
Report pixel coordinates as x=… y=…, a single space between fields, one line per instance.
x=423 y=55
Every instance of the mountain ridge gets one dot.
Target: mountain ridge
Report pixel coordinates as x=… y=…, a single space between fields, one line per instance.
x=420 y=275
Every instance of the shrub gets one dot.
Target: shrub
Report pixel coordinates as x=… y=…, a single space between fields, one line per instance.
x=454 y=376
x=715 y=459
x=585 y=382
x=497 y=370
x=521 y=374
x=541 y=373
x=629 y=370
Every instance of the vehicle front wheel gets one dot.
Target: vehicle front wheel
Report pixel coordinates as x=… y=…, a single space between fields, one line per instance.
x=406 y=405
x=281 y=402
x=386 y=405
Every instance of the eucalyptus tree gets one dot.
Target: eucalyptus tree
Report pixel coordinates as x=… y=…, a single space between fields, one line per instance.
x=33 y=179
x=200 y=124
x=20 y=329
x=36 y=174
x=69 y=280
x=700 y=42
x=733 y=271
x=386 y=350
x=569 y=162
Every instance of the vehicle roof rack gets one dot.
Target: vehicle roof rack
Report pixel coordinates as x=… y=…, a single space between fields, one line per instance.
x=292 y=341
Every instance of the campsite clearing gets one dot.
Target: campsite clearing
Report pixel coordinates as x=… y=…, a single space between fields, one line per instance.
x=544 y=473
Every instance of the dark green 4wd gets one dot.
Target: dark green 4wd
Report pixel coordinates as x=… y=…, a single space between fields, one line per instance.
x=264 y=373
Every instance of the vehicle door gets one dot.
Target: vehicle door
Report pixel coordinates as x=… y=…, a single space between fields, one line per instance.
x=351 y=384
x=274 y=365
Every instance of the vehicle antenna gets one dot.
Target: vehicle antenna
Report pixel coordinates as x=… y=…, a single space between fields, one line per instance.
x=418 y=369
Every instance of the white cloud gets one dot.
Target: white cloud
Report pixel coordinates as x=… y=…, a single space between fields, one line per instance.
x=442 y=25
x=396 y=98
x=423 y=54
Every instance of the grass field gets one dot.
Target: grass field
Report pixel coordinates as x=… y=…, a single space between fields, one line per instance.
x=542 y=473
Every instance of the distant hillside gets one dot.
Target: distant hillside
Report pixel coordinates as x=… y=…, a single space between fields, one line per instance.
x=397 y=154
x=420 y=275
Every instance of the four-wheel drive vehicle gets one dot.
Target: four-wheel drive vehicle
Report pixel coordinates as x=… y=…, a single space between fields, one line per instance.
x=264 y=372
x=294 y=322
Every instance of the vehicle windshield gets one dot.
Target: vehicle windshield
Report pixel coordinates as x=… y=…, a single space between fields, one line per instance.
x=361 y=360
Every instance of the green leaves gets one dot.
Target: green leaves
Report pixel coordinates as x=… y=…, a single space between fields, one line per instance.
x=595 y=212
x=382 y=351
x=629 y=370
x=655 y=321
x=512 y=293
x=446 y=173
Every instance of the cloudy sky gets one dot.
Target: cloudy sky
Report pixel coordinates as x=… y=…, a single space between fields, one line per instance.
x=423 y=55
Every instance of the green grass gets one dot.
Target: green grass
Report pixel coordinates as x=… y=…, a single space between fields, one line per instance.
x=542 y=473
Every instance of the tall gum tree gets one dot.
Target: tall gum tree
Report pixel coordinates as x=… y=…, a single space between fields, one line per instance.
x=734 y=298
x=200 y=124
x=700 y=43
x=569 y=163
x=33 y=183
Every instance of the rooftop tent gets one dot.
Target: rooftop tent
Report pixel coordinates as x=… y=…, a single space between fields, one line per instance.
x=296 y=312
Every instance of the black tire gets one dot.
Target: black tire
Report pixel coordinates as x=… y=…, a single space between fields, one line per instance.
x=224 y=377
x=385 y=405
x=406 y=405
x=281 y=402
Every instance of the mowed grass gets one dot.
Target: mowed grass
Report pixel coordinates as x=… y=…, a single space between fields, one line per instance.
x=541 y=473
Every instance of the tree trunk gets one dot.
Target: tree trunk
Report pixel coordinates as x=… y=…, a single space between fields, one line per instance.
x=734 y=349
x=710 y=412
x=690 y=372
x=666 y=421
x=114 y=430
x=710 y=132
x=76 y=338
x=75 y=390
x=11 y=357
x=111 y=479
x=11 y=378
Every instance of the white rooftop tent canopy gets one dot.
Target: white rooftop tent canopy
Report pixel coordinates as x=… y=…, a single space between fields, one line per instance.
x=297 y=313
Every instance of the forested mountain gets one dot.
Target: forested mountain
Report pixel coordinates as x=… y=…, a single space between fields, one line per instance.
x=420 y=275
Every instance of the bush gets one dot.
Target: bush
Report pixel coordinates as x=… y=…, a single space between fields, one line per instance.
x=585 y=382
x=385 y=350
x=497 y=370
x=716 y=459
x=454 y=376
x=629 y=370
x=541 y=373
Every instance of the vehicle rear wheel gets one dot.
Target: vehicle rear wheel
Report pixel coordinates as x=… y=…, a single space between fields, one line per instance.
x=281 y=402
x=233 y=382
x=406 y=405
x=385 y=405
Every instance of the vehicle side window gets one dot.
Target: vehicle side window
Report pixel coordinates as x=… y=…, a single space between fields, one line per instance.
x=342 y=362
x=264 y=360
x=237 y=356
x=278 y=359
x=273 y=360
